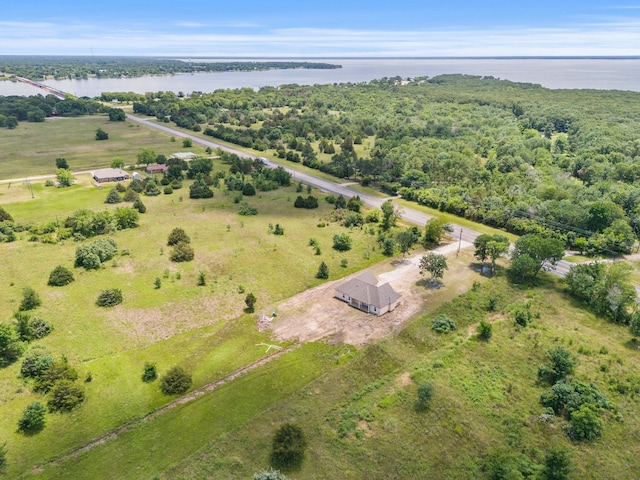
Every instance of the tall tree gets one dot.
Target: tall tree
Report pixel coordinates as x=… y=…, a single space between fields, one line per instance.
x=541 y=250
x=435 y=264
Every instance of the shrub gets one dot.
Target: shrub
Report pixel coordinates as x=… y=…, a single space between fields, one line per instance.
x=33 y=418
x=200 y=189
x=101 y=134
x=109 y=298
x=30 y=300
x=5 y=216
x=557 y=464
x=561 y=363
x=270 y=474
x=139 y=206
x=175 y=381
x=57 y=371
x=181 y=252
x=443 y=324
x=91 y=255
x=150 y=372
x=425 y=394
x=113 y=196
x=36 y=360
x=120 y=187
x=485 y=330
x=65 y=396
x=168 y=190
x=342 y=242
x=523 y=316
x=289 y=445
x=247 y=210
x=202 y=279
x=60 y=276
x=323 y=271
x=250 y=301
x=29 y=328
x=176 y=236
x=278 y=230
x=248 y=190
x=586 y=423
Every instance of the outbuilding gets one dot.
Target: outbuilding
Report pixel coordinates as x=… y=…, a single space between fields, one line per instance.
x=364 y=293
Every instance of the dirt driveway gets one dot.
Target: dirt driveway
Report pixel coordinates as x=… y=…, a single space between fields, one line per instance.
x=315 y=313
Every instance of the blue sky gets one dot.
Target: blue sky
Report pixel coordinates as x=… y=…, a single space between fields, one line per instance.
x=320 y=28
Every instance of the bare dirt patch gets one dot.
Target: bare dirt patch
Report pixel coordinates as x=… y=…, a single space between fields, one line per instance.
x=315 y=313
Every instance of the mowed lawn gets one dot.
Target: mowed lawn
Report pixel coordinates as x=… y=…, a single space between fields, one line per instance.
x=202 y=328
x=32 y=148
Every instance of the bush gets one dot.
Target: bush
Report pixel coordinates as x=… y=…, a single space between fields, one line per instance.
x=60 y=276
x=33 y=418
x=113 y=196
x=247 y=210
x=91 y=255
x=175 y=381
x=250 y=301
x=485 y=330
x=139 y=206
x=151 y=189
x=10 y=346
x=200 y=189
x=310 y=202
x=443 y=324
x=269 y=475
x=248 y=190
x=342 y=242
x=37 y=360
x=561 y=363
x=176 y=236
x=425 y=394
x=168 y=190
x=29 y=329
x=150 y=372
x=586 y=423
x=109 y=298
x=289 y=445
x=30 y=300
x=323 y=271
x=523 y=316
x=56 y=372
x=101 y=134
x=182 y=252
x=65 y=396
x=130 y=195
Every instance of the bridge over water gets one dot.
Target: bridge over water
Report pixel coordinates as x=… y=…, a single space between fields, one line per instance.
x=50 y=90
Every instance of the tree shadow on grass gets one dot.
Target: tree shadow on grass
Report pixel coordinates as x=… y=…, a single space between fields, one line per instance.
x=429 y=283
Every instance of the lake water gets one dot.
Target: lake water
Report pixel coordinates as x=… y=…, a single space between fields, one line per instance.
x=583 y=73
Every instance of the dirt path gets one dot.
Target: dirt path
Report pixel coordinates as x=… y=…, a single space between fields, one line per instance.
x=113 y=434
x=315 y=313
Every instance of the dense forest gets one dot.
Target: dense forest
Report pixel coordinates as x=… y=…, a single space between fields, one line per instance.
x=15 y=108
x=511 y=155
x=39 y=67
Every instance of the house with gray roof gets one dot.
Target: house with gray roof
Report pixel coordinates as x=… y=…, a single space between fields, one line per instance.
x=364 y=293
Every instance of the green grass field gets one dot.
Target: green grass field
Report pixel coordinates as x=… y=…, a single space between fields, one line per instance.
x=32 y=148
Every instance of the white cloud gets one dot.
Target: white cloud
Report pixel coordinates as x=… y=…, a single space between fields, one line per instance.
x=620 y=37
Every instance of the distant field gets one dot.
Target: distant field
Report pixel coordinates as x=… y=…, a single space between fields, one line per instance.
x=32 y=148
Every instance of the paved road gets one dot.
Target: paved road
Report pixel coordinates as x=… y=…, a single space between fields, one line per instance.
x=408 y=214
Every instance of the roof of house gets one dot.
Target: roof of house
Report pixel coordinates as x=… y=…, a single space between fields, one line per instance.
x=109 y=173
x=157 y=168
x=365 y=288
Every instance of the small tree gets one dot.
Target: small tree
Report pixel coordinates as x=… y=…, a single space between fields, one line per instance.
x=557 y=464
x=435 y=264
x=113 y=196
x=561 y=363
x=634 y=326
x=175 y=381
x=425 y=394
x=65 y=396
x=64 y=177
x=389 y=215
x=433 y=231
x=60 y=276
x=3 y=458
x=250 y=301
x=117 y=162
x=187 y=143
x=202 y=279
x=181 y=252
x=101 y=134
x=30 y=299
x=289 y=445
x=109 y=298
x=586 y=423
x=10 y=346
x=485 y=330
x=150 y=372
x=62 y=163
x=36 y=360
x=323 y=271
x=139 y=206
x=33 y=418
x=342 y=242
x=176 y=236
x=157 y=283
